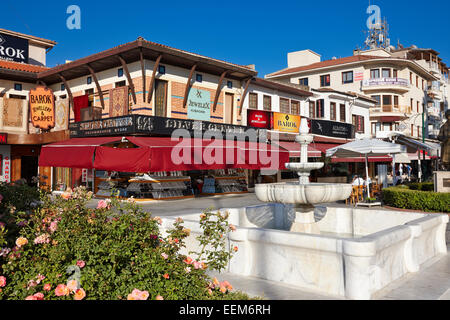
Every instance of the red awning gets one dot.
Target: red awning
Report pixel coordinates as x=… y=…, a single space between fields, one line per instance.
x=323 y=147
x=156 y=154
x=362 y=159
x=294 y=149
x=73 y=153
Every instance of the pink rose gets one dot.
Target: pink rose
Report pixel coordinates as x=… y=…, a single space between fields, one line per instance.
x=39 y=296
x=47 y=287
x=79 y=294
x=158 y=297
x=164 y=255
x=81 y=263
x=53 y=226
x=197 y=265
x=31 y=298
x=62 y=290
x=2 y=281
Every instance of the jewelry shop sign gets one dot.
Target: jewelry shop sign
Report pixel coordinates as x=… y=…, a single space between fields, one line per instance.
x=199 y=105
x=42 y=108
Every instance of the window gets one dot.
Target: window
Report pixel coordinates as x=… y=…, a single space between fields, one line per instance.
x=295 y=107
x=230 y=84
x=120 y=84
x=412 y=104
x=347 y=77
x=18 y=86
x=417 y=81
x=253 y=101
x=63 y=87
x=325 y=80
x=395 y=73
x=303 y=81
x=89 y=80
x=417 y=106
x=387 y=100
x=358 y=122
x=342 y=113
x=423 y=84
x=332 y=111
x=120 y=72
x=199 y=77
x=378 y=99
x=284 y=105
x=396 y=101
x=267 y=103
x=411 y=78
x=312 y=108
x=162 y=69
x=374 y=73
x=385 y=73
x=412 y=130
x=320 y=108
x=418 y=131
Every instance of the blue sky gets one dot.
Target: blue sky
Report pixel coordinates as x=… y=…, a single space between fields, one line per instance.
x=243 y=32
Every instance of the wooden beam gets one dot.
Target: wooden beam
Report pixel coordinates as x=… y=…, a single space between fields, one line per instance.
x=188 y=85
x=66 y=85
x=219 y=89
x=141 y=58
x=42 y=83
x=130 y=81
x=152 y=81
x=99 y=89
x=244 y=94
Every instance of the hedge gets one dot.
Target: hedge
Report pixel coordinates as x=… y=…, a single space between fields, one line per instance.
x=423 y=186
x=402 y=197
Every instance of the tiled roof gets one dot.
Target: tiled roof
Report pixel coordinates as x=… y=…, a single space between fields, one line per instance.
x=323 y=64
x=21 y=66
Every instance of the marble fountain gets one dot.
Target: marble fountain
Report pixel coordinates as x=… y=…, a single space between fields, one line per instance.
x=341 y=251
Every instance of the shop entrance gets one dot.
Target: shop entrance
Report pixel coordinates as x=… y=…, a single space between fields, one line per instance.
x=29 y=169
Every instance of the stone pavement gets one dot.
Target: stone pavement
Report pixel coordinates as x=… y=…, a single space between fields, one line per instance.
x=432 y=282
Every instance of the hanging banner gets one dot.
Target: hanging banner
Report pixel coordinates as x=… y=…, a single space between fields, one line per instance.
x=42 y=108
x=285 y=122
x=199 y=105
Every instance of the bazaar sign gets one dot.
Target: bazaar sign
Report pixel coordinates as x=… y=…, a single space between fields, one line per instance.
x=42 y=108
x=285 y=122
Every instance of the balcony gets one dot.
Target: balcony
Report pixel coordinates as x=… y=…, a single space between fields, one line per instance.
x=398 y=84
x=434 y=112
x=433 y=91
x=390 y=113
x=434 y=68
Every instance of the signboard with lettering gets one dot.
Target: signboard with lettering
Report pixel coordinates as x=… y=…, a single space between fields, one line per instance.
x=3 y=138
x=5 y=161
x=13 y=48
x=258 y=119
x=285 y=122
x=42 y=108
x=150 y=125
x=199 y=105
x=332 y=129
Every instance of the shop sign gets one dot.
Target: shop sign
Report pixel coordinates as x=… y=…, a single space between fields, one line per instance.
x=42 y=108
x=258 y=119
x=284 y=122
x=3 y=138
x=5 y=163
x=332 y=129
x=150 y=125
x=13 y=48
x=199 y=105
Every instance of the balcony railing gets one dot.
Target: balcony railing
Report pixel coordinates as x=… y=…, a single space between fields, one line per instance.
x=392 y=109
x=378 y=82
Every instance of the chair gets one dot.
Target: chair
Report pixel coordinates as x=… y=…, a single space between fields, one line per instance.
x=353 y=196
x=375 y=190
x=360 y=193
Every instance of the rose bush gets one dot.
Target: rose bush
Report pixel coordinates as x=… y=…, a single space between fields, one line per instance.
x=66 y=251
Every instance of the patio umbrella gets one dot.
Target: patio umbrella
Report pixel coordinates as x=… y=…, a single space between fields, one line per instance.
x=366 y=147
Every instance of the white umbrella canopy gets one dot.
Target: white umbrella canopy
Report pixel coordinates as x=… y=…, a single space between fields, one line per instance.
x=366 y=147
x=371 y=147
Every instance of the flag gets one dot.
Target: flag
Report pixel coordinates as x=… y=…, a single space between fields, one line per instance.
x=359 y=76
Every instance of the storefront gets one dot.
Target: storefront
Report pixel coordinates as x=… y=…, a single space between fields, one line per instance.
x=160 y=158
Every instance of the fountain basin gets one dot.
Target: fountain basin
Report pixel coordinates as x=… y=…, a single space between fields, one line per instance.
x=361 y=252
x=307 y=194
